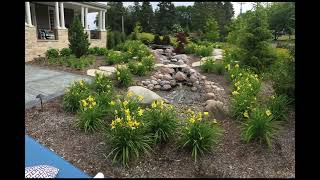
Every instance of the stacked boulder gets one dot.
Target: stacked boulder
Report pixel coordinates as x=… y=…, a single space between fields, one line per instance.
x=168 y=77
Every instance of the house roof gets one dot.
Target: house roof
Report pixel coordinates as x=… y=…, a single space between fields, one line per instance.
x=97 y=4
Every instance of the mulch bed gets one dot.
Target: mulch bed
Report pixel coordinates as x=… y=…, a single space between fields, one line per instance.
x=231 y=157
x=99 y=62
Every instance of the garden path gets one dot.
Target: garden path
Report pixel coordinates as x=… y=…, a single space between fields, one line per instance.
x=47 y=82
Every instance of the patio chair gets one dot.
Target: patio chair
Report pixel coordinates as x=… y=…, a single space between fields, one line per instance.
x=36 y=154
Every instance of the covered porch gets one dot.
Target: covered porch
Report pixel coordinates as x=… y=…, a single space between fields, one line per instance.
x=47 y=23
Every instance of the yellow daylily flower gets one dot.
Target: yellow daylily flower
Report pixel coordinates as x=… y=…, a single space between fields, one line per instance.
x=235 y=93
x=192 y=120
x=154 y=104
x=140 y=112
x=268 y=112
x=130 y=94
x=206 y=113
x=215 y=121
x=140 y=98
x=245 y=114
x=84 y=103
x=125 y=103
x=272 y=97
x=112 y=103
x=237 y=65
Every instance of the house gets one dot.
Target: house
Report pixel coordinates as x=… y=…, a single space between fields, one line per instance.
x=47 y=23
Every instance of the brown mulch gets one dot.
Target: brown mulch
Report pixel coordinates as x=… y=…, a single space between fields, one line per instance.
x=230 y=158
x=99 y=62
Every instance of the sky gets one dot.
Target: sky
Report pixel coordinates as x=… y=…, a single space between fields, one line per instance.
x=236 y=6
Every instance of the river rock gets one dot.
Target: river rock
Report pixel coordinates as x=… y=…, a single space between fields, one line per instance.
x=157 y=87
x=166 y=87
x=193 y=89
x=216 y=108
x=173 y=82
x=209 y=96
x=167 y=77
x=150 y=86
x=180 y=76
x=154 y=82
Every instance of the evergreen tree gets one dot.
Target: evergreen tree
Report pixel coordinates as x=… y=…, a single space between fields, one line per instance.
x=254 y=44
x=146 y=16
x=78 y=39
x=211 y=30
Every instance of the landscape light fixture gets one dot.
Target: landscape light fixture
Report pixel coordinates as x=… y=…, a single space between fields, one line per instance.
x=40 y=96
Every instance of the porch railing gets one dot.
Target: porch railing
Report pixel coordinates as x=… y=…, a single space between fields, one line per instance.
x=94 y=34
x=47 y=34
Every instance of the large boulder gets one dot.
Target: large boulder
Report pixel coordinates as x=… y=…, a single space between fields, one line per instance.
x=216 y=108
x=180 y=76
x=108 y=69
x=92 y=72
x=182 y=57
x=148 y=95
x=166 y=70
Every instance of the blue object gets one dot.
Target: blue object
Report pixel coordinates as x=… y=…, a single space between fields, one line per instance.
x=36 y=154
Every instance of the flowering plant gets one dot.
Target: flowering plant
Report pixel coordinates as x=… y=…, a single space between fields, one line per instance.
x=76 y=92
x=200 y=134
x=90 y=115
x=161 y=121
x=127 y=131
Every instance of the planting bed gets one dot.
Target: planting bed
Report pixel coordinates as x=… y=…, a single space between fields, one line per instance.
x=231 y=157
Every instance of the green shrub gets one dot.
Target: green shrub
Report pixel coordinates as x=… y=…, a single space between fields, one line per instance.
x=203 y=51
x=148 y=62
x=160 y=121
x=123 y=76
x=65 y=52
x=102 y=52
x=52 y=53
x=141 y=69
x=78 y=39
x=208 y=65
x=123 y=37
x=113 y=57
x=166 y=40
x=127 y=132
x=283 y=74
x=110 y=40
x=157 y=40
x=145 y=38
x=117 y=38
x=90 y=115
x=199 y=134
x=91 y=51
x=134 y=48
x=246 y=86
x=132 y=65
x=260 y=126
x=279 y=106
x=71 y=100
x=211 y=66
x=102 y=84
x=190 y=48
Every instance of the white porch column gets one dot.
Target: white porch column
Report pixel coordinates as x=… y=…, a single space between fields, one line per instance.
x=29 y=23
x=82 y=16
x=100 y=21
x=86 y=18
x=57 y=20
x=62 y=16
x=104 y=21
